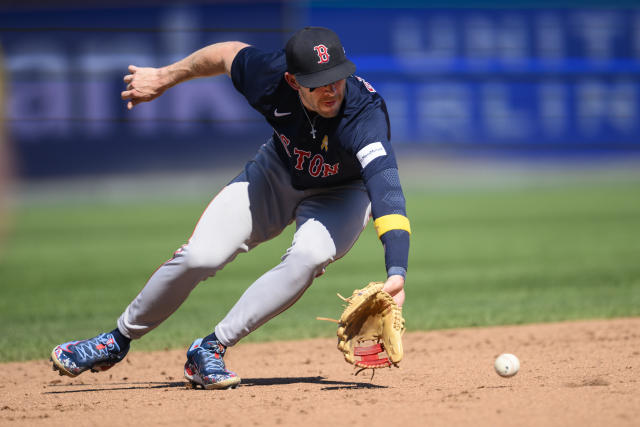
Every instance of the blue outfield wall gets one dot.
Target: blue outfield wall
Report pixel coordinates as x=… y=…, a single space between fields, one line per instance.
x=456 y=78
x=495 y=77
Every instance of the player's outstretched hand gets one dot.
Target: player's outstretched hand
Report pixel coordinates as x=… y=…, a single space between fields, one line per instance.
x=144 y=84
x=394 y=286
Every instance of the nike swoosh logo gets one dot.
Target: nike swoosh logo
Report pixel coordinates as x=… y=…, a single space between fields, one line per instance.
x=275 y=113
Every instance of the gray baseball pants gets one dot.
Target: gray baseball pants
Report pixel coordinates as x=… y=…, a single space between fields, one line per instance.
x=255 y=207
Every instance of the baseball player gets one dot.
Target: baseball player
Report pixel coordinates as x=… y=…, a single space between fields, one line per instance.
x=328 y=166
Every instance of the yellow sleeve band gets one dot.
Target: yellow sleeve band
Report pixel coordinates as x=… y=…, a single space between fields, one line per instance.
x=391 y=222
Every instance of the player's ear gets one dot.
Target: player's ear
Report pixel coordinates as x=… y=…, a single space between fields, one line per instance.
x=291 y=79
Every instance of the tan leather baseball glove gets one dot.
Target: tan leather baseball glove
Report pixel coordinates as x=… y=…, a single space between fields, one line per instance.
x=370 y=326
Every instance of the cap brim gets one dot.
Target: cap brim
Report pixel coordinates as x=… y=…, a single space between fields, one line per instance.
x=325 y=77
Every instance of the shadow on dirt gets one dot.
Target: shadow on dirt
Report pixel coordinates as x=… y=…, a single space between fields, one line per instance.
x=246 y=382
x=118 y=386
x=330 y=385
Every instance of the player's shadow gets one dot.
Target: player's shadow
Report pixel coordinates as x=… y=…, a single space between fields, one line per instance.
x=329 y=384
x=118 y=386
x=246 y=382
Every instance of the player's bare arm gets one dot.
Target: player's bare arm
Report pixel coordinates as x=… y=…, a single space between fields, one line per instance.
x=145 y=84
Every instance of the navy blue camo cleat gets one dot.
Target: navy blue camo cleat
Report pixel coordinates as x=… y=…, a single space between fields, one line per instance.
x=97 y=354
x=206 y=368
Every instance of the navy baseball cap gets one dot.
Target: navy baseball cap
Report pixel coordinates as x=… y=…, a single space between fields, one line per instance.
x=315 y=56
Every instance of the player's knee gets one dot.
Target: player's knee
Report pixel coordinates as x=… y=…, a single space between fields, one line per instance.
x=198 y=257
x=202 y=259
x=312 y=246
x=310 y=259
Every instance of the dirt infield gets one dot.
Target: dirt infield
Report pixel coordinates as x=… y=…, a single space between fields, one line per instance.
x=575 y=373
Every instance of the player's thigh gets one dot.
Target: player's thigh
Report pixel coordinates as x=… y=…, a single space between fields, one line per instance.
x=343 y=211
x=254 y=207
x=272 y=199
x=223 y=229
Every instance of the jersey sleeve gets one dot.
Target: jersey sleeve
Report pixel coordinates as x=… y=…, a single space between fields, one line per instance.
x=256 y=74
x=380 y=174
x=390 y=219
x=371 y=146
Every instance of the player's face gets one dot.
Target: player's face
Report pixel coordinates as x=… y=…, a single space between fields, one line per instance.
x=324 y=100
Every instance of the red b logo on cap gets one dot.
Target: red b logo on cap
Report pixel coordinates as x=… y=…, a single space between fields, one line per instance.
x=322 y=52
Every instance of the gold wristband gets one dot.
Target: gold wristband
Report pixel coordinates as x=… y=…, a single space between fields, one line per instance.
x=391 y=222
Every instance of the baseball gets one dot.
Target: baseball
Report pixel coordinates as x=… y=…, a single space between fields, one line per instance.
x=507 y=365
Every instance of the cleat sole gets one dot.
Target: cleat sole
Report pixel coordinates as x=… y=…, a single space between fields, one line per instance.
x=57 y=366
x=221 y=386
x=231 y=383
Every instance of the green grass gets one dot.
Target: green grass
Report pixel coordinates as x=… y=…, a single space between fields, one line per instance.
x=478 y=257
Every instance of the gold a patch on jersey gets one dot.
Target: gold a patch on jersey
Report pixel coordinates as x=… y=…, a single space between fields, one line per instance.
x=325 y=143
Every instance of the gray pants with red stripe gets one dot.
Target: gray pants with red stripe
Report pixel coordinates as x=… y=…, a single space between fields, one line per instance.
x=255 y=207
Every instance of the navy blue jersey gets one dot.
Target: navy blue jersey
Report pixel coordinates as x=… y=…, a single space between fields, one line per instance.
x=353 y=145
x=322 y=152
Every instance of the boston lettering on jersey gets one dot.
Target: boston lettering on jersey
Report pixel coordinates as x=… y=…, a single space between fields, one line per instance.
x=318 y=151
x=316 y=166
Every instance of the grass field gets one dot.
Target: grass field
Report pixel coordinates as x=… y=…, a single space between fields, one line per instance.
x=480 y=256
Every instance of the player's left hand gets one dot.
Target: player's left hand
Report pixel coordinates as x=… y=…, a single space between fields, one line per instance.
x=370 y=325
x=394 y=286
